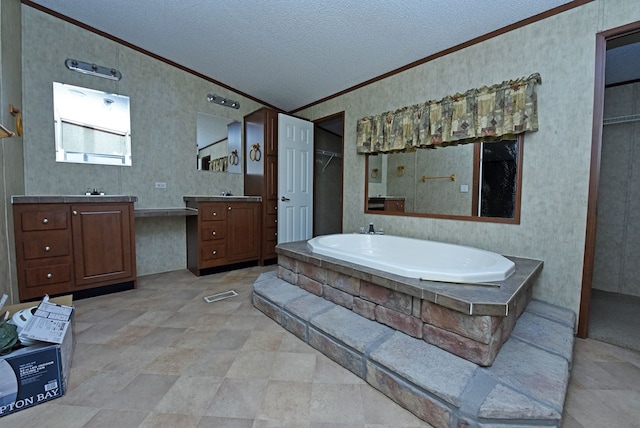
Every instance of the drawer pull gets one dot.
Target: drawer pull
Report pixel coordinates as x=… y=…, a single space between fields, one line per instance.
x=214 y=214
x=213 y=233
x=229 y=208
x=214 y=252
x=49 y=275
x=275 y=221
x=75 y=212
x=47 y=248
x=45 y=221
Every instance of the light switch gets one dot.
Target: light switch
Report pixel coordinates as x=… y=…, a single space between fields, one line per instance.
x=464 y=188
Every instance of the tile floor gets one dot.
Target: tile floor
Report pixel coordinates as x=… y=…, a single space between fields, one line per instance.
x=159 y=356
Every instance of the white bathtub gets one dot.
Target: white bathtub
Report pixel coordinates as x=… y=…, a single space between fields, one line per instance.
x=415 y=258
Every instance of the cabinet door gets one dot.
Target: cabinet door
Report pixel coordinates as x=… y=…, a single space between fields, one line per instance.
x=271 y=177
x=394 y=205
x=254 y=128
x=102 y=243
x=271 y=133
x=243 y=231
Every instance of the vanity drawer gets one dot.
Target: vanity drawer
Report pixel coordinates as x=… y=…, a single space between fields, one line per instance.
x=213 y=252
x=46 y=244
x=215 y=231
x=211 y=211
x=46 y=275
x=50 y=219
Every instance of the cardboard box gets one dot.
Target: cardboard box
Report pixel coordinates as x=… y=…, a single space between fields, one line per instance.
x=34 y=374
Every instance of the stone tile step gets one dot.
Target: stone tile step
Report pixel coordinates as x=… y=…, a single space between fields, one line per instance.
x=526 y=385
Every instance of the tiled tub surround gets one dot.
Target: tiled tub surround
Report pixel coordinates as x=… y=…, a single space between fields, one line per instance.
x=525 y=386
x=470 y=321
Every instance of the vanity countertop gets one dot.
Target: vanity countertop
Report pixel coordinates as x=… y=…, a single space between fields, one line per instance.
x=204 y=198
x=385 y=197
x=75 y=199
x=164 y=212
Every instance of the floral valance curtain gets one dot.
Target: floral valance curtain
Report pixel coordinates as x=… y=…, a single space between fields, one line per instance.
x=479 y=115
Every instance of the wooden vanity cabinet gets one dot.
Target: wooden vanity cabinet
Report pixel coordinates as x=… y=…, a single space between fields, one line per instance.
x=62 y=248
x=387 y=204
x=223 y=233
x=261 y=174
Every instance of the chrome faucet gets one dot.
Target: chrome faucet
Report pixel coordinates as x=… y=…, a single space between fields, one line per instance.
x=371 y=231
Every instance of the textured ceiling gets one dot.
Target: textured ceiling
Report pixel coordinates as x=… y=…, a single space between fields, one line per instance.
x=290 y=53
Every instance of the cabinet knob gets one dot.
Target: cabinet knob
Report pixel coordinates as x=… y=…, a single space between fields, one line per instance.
x=229 y=208
x=75 y=212
x=275 y=221
x=45 y=221
x=213 y=233
x=214 y=252
x=49 y=275
x=214 y=214
x=47 y=248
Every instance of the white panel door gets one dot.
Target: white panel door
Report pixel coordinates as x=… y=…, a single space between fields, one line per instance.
x=295 y=179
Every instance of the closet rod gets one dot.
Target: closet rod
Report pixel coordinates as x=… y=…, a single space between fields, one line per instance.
x=621 y=119
x=328 y=153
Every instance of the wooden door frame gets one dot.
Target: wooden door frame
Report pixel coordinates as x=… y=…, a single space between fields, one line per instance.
x=594 y=175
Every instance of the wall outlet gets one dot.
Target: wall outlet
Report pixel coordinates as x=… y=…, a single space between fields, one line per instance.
x=161 y=185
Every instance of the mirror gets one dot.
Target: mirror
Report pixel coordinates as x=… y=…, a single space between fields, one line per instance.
x=91 y=126
x=479 y=182
x=218 y=144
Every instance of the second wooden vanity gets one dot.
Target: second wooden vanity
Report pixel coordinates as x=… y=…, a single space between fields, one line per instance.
x=386 y=203
x=225 y=231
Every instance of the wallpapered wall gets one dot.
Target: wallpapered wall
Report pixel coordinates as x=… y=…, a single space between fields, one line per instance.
x=11 y=156
x=164 y=105
x=556 y=158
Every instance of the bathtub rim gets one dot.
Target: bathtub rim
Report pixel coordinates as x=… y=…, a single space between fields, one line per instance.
x=500 y=271
x=464 y=298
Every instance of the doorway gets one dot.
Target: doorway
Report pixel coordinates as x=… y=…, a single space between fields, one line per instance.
x=610 y=299
x=328 y=174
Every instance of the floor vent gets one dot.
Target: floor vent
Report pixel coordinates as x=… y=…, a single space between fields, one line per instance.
x=220 y=296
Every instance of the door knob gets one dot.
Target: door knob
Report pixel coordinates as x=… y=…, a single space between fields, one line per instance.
x=284 y=199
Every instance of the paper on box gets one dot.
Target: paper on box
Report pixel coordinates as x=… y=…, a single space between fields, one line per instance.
x=49 y=323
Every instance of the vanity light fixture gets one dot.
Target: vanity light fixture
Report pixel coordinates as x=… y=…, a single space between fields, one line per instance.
x=216 y=99
x=93 y=69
